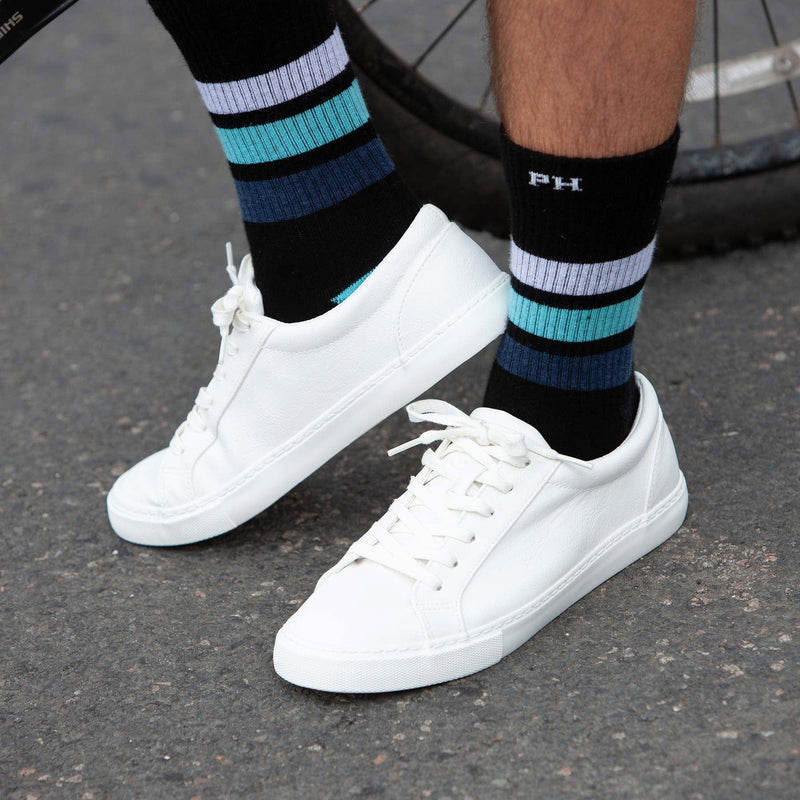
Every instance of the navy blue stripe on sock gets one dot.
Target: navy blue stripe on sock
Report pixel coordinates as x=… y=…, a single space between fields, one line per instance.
x=303 y=193
x=575 y=373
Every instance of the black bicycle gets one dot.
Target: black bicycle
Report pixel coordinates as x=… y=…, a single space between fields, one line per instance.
x=737 y=176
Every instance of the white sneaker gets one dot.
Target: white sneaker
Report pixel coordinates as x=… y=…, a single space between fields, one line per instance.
x=495 y=537
x=286 y=397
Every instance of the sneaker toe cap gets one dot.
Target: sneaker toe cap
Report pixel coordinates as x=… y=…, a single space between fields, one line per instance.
x=150 y=486
x=362 y=609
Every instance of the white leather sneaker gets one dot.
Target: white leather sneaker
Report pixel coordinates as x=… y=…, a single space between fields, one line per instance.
x=495 y=537
x=286 y=397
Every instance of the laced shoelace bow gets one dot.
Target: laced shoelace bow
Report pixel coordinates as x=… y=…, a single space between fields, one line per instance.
x=229 y=313
x=425 y=508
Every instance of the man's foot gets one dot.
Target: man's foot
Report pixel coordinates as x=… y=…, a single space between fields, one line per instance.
x=495 y=537
x=286 y=397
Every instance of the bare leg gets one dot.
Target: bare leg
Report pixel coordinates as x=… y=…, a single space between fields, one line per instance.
x=590 y=78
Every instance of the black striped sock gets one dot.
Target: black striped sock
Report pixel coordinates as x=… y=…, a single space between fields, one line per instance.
x=583 y=233
x=321 y=201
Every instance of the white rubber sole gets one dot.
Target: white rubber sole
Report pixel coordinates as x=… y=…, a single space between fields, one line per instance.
x=456 y=340
x=413 y=668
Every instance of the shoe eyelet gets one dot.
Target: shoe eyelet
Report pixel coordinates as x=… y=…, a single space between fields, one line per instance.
x=474 y=538
x=453 y=566
x=438 y=588
x=509 y=490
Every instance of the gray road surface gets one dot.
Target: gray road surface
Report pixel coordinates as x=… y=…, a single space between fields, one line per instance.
x=135 y=673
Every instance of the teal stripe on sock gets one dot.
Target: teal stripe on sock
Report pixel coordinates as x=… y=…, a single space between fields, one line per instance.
x=573 y=325
x=343 y=295
x=306 y=131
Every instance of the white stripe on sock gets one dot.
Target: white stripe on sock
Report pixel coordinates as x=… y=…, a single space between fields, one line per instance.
x=579 y=279
x=296 y=78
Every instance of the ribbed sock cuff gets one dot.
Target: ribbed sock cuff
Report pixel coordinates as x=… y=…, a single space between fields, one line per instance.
x=585 y=210
x=228 y=40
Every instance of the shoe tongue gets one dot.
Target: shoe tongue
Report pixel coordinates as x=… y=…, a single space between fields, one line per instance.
x=252 y=296
x=514 y=426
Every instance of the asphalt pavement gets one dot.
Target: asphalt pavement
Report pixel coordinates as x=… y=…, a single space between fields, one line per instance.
x=128 y=672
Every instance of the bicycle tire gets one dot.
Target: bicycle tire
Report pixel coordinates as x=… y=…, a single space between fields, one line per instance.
x=719 y=198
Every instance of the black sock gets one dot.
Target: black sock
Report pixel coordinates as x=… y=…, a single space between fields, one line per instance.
x=583 y=232
x=321 y=202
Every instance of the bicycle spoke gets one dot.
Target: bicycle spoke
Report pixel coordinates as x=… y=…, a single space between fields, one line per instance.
x=450 y=25
x=717 y=109
x=774 y=34
x=487 y=93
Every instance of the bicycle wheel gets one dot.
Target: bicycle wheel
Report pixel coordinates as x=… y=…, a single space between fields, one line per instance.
x=737 y=176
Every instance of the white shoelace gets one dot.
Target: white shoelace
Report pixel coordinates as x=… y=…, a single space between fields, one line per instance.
x=229 y=313
x=415 y=531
